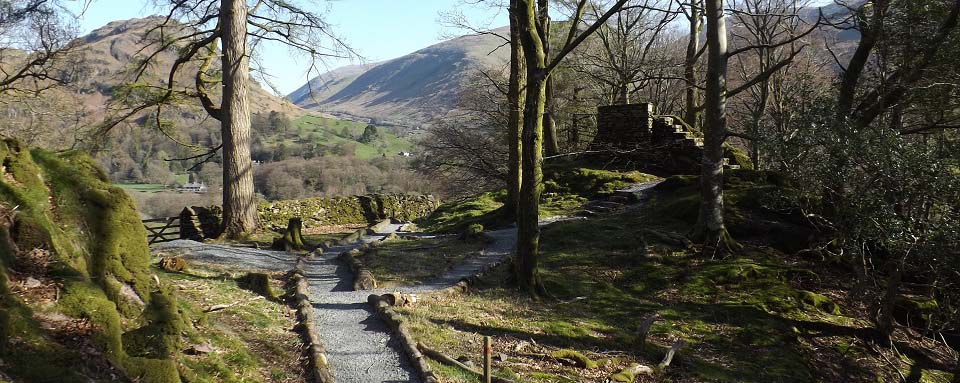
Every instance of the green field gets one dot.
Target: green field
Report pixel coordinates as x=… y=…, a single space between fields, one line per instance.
x=329 y=131
x=142 y=187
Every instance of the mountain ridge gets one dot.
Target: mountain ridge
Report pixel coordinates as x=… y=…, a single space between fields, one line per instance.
x=409 y=90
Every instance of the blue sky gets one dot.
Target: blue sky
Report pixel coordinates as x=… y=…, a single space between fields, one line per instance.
x=377 y=29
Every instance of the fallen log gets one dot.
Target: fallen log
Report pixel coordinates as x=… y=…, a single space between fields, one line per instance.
x=363 y=279
x=629 y=374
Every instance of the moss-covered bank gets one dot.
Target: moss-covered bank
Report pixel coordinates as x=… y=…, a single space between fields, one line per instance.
x=64 y=227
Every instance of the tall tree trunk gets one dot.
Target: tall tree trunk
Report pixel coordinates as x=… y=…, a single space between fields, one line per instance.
x=623 y=93
x=757 y=124
x=528 y=228
x=550 y=144
x=869 y=29
x=691 y=110
x=515 y=97
x=710 y=225
x=239 y=210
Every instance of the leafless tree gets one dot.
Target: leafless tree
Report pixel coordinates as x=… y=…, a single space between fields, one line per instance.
x=624 y=56
x=761 y=24
x=193 y=29
x=36 y=53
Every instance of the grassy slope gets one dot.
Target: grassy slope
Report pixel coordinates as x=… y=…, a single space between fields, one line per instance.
x=757 y=316
x=565 y=190
x=405 y=262
x=253 y=341
x=330 y=132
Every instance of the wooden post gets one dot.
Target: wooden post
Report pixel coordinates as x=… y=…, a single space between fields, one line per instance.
x=487 y=350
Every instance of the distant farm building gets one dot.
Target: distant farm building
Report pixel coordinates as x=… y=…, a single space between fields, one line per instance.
x=193 y=187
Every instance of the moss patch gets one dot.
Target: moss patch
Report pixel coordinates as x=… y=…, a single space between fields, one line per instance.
x=454 y=217
x=759 y=315
x=590 y=183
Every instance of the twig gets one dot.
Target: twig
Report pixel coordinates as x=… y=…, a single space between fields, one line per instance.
x=229 y=305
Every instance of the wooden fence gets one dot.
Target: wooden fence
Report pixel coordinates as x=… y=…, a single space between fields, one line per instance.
x=162 y=229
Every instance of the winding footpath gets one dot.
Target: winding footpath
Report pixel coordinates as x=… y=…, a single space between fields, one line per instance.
x=360 y=347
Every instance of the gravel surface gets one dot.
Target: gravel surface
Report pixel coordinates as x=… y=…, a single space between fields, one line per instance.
x=250 y=258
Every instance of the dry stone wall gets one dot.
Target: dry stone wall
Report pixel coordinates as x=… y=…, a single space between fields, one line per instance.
x=199 y=223
x=366 y=209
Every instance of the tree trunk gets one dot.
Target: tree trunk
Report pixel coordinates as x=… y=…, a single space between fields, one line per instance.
x=239 y=209
x=710 y=226
x=691 y=111
x=858 y=62
x=623 y=93
x=884 y=318
x=550 y=144
x=528 y=228
x=515 y=97
x=757 y=123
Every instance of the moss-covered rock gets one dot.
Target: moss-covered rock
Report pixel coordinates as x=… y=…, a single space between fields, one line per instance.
x=574 y=357
x=914 y=310
x=589 y=183
x=64 y=207
x=818 y=302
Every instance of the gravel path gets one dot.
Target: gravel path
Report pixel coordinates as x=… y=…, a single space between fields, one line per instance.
x=360 y=347
x=248 y=258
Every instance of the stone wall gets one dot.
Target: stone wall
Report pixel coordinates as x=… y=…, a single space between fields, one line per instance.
x=199 y=223
x=624 y=126
x=365 y=209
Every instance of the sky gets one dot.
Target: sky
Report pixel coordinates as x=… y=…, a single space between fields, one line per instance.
x=377 y=29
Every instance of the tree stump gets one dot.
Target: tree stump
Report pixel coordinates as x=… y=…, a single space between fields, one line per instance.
x=292 y=238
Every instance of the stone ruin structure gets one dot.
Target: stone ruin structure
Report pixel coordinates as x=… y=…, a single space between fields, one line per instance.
x=659 y=144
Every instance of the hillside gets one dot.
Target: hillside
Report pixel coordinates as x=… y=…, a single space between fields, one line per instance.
x=112 y=49
x=136 y=152
x=408 y=90
x=411 y=90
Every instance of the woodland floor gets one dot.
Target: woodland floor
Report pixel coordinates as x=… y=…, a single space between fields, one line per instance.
x=759 y=315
